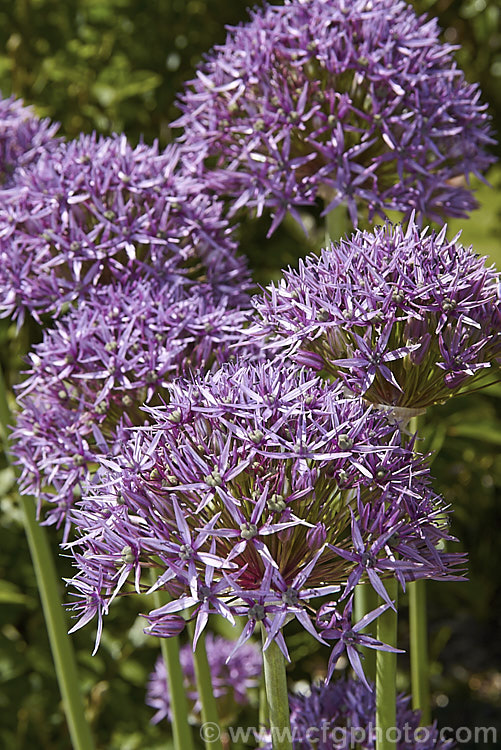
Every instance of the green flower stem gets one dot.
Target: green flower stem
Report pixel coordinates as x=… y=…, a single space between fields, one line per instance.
x=419 y=650
x=264 y=714
x=169 y=647
x=55 y=619
x=386 y=673
x=205 y=692
x=337 y=224
x=366 y=600
x=419 y=639
x=277 y=696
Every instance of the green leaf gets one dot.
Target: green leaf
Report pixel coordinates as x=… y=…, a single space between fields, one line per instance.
x=477 y=432
x=10 y=594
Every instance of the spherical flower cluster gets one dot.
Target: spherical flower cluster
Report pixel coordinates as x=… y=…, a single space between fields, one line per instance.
x=405 y=317
x=255 y=491
x=342 y=715
x=91 y=374
x=357 y=102
x=233 y=675
x=23 y=138
x=96 y=211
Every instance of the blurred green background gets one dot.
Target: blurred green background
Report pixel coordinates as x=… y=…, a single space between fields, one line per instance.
x=117 y=65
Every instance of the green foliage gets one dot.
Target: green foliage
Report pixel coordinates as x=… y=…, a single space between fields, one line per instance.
x=113 y=681
x=110 y=66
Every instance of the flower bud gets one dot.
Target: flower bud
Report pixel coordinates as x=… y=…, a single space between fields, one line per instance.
x=328 y=616
x=286 y=534
x=167 y=626
x=455 y=379
x=309 y=359
x=316 y=536
x=418 y=355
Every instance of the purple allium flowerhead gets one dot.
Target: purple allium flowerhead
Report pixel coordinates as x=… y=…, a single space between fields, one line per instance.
x=255 y=491
x=89 y=377
x=356 y=101
x=405 y=317
x=23 y=138
x=342 y=715
x=233 y=675
x=98 y=211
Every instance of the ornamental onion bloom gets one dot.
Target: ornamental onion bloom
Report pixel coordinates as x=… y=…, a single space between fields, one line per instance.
x=217 y=499
x=356 y=102
x=91 y=374
x=342 y=715
x=232 y=675
x=405 y=317
x=96 y=211
x=23 y=138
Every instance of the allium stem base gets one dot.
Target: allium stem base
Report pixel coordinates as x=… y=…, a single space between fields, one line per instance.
x=277 y=696
x=206 y=694
x=419 y=650
x=386 y=672
x=57 y=628
x=366 y=600
x=178 y=704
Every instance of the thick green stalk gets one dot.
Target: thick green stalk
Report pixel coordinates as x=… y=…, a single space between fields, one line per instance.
x=419 y=639
x=386 y=673
x=277 y=696
x=210 y=718
x=419 y=650
x=55 y=619
x=264 y=714
x=181 y=730
x=366 y=600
